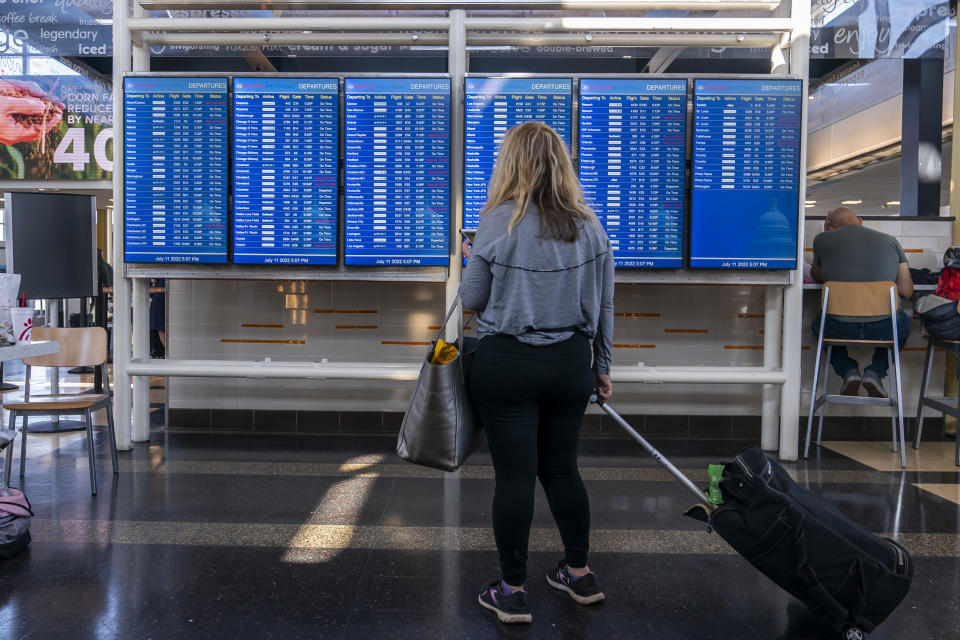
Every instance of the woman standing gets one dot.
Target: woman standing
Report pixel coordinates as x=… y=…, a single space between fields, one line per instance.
x=540 y=276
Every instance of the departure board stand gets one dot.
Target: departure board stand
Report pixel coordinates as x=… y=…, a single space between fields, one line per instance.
x=270 y=272
x=777 y=27
x=457 y=67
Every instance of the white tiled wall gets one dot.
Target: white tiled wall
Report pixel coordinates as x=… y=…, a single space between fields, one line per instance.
x=923 y=242
x=662 y=325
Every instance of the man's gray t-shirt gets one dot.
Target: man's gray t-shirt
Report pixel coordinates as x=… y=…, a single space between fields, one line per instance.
x=855 y=253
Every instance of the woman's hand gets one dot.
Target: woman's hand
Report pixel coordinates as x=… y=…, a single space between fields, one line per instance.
x=604 y=386
x=465 y=248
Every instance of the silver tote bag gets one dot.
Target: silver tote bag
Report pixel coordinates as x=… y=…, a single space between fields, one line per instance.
x=441 y=426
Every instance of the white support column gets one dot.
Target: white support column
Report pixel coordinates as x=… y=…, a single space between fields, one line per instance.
x=772 y=327
x=141 y=296
x=141 y=54
x=121 y=285
x=793 y=295
x=141 y=349
x=457 y=68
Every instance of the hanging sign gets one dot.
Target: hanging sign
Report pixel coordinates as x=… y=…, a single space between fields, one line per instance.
x=868 y=29
x=56 y=27
x=55 y=127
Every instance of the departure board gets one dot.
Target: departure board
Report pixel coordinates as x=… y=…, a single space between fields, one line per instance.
x=494 y=105
x=632 y=163
x=746 y=174
x=397 y=171
x=285 y=142
x=175 y=169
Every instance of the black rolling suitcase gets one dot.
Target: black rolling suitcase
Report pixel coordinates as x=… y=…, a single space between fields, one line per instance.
x=843 y=573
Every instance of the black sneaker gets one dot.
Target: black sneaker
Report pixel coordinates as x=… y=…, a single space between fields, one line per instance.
x=583 y=590
x=511 y=609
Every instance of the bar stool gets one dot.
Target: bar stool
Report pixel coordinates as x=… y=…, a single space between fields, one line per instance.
x=937 y=403
x=858 y=299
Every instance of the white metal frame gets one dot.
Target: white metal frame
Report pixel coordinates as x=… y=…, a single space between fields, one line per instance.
x=946 y=405
x=787 y=27
x=894 y=400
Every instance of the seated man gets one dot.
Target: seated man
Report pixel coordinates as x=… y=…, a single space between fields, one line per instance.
x=849 y=252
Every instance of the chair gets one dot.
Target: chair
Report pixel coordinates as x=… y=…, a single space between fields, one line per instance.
x=78 y=347
x=858 y=299
x=941 y=404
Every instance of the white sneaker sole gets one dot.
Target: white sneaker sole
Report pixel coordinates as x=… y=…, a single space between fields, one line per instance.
x=507 y=618
x=873 y=390
x=851 y=388
x=597 y=597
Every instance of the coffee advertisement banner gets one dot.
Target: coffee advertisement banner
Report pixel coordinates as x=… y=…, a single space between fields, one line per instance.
x=55 y=126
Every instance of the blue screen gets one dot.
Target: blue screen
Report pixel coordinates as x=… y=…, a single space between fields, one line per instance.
x=397 y=165
x=175 y=169
x=285 y=133
x=632 y=162
x=494 y=105
x=746 y=174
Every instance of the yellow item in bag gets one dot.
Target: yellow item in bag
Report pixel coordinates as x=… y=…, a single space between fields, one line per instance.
x=443 y=353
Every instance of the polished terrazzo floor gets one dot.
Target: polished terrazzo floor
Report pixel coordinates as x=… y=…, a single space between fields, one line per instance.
x=214 y=536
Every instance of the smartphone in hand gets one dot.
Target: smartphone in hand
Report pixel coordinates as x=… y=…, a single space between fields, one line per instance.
x=468 y=235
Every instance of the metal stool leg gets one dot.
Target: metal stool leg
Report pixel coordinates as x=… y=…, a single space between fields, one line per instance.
x=924 y=383
x=23 y=446
x=823 y=409
x=813 y=401
x=8 y=463
x=113 y=439
x=893 y=403
x=897 y=370
x=90 y=454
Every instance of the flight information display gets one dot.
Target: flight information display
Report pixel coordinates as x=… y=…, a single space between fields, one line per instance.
x=285 y=145
x=175 y=169
x=494 y=105
x=397 y=171
x=632 y=163
x=746 y=174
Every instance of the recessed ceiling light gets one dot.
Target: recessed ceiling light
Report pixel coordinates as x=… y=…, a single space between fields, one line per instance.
x=891 y=203
x=809 y=202
x=852 y=202
x=808 y=205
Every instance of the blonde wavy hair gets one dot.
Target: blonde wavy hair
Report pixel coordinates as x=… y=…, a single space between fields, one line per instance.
x=533 y=168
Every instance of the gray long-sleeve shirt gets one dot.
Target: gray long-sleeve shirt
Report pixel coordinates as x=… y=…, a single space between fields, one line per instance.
x=541 y=290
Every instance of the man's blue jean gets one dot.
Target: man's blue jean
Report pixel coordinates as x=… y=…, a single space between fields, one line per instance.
x=878 y=330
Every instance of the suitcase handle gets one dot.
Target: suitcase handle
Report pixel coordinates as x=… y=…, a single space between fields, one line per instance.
x=676 y=473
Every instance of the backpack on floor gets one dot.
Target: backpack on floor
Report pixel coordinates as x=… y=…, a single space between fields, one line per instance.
x=15 y=517
x=15 y=512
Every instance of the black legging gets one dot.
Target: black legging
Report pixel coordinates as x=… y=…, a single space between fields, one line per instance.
x=531 y=401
